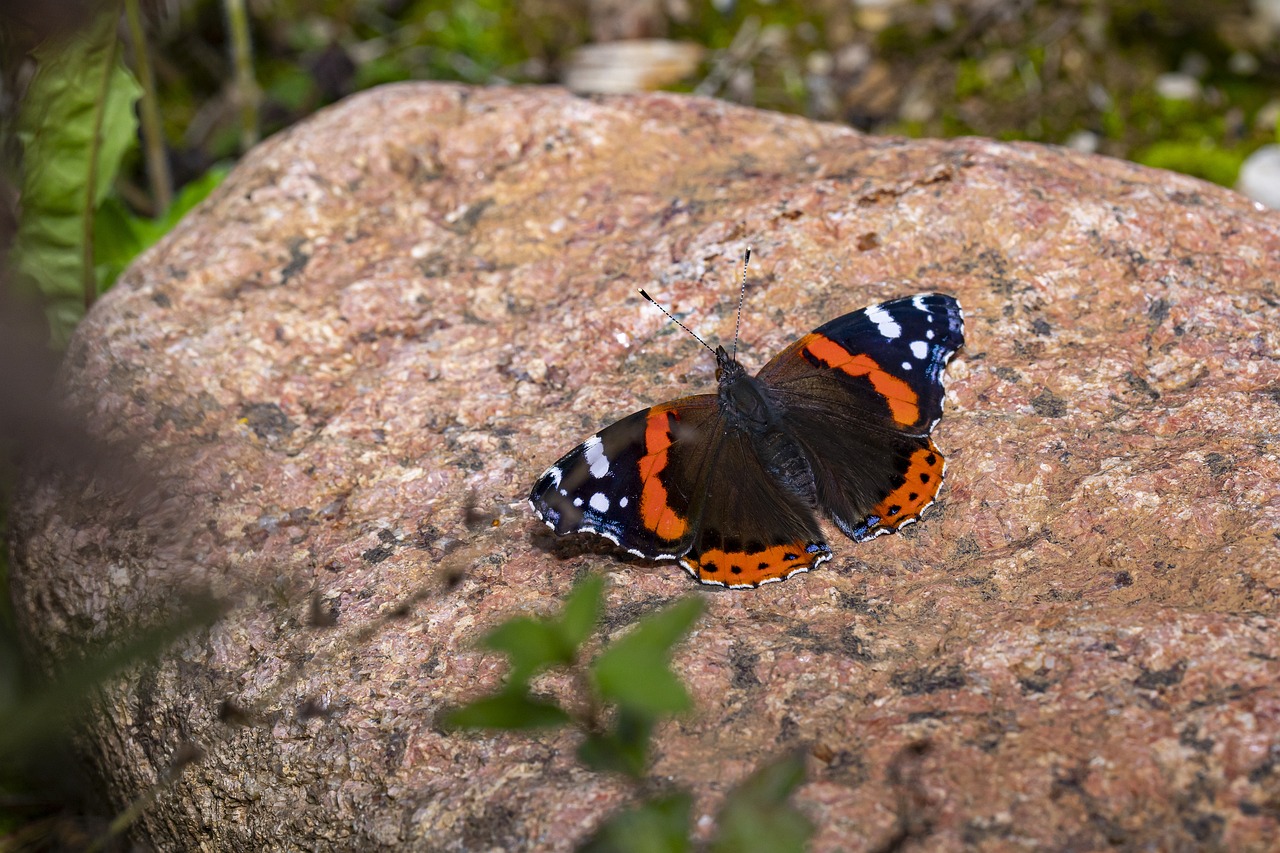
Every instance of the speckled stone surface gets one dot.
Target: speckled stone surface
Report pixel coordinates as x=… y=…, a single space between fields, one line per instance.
x=349 y=366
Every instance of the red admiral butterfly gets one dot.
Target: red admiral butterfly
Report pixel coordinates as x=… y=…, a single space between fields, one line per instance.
x=729 y=483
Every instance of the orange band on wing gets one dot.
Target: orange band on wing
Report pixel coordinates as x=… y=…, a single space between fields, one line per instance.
x=919 y=488
x=655 y=511
x=739 y=568
x=904 y=404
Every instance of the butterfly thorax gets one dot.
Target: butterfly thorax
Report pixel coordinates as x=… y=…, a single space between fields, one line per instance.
x=748 y=407
x=744 y=399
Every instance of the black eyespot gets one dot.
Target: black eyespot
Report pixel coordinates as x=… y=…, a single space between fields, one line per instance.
x=931 y=459
x=737 y=570
x=762 y=566
x=894 y=510
x=924 y=478
x=710 y=568
x=913 y=496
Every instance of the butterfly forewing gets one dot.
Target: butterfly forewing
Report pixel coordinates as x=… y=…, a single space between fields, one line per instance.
x=635 y=482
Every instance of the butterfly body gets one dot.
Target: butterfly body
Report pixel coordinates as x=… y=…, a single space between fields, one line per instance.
x=732 y=483
x=749 y=408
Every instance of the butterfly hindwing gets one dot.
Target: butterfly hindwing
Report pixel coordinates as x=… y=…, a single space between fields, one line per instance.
x=752 y=528
x=862 y=394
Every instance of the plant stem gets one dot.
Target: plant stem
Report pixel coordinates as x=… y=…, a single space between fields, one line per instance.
x=152 y=134
x=244 y=87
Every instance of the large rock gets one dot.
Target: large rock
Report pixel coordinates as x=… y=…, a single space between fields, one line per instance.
x=348 y=367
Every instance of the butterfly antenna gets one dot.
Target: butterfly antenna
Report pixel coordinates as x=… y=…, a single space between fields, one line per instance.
x=742 y=292
x=674 y=320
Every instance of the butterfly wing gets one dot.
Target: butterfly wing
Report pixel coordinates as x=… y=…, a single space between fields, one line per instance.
x=751 y=529
x=859 y=398
x=636 y=482
x=672 y=481
x=861 y=395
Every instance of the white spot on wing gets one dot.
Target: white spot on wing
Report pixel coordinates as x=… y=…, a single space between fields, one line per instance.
x=599 y=502
x=577 y=501
x=885 y=323
x=906 y=365
x=919 y=349
x=622 y=501
x=593 y=452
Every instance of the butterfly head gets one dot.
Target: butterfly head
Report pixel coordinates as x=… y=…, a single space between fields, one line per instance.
x=727 y=367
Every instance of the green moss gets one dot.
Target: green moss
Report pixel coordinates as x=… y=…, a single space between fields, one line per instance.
x=970 y=81
x=1200 y=159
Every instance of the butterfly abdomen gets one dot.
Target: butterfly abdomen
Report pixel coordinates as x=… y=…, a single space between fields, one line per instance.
x=785 y=461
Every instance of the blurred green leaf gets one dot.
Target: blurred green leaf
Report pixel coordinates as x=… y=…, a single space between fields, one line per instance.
x=534 y=644
x=581 y=610
x=116 y=240
x=474 y=30
x=381 y=70
x=119 y=236
x=658 y=826
x=531 y=645
x=758 y=815
x=75 y=124
x=291 y=86
x=622 y=749
x=511 y=709
x=634 y=670
x=49 y=712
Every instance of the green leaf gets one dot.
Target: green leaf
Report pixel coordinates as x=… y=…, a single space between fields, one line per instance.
x=581 y=610
x=75 y=124
x=119 y=236
x=188 y=197
x=758 y=814
x=634 y=671
x=380 y=70
x=623 y=749
x=117 y=239
x=658 y=826
x=32 y=720
x=511 y=709
x=290 y=86
x=536 y=644
x=532 y=645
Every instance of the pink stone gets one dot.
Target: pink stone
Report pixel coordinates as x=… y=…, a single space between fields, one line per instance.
x=350 y=364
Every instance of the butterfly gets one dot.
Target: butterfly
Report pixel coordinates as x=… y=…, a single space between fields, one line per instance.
x=731 y=484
